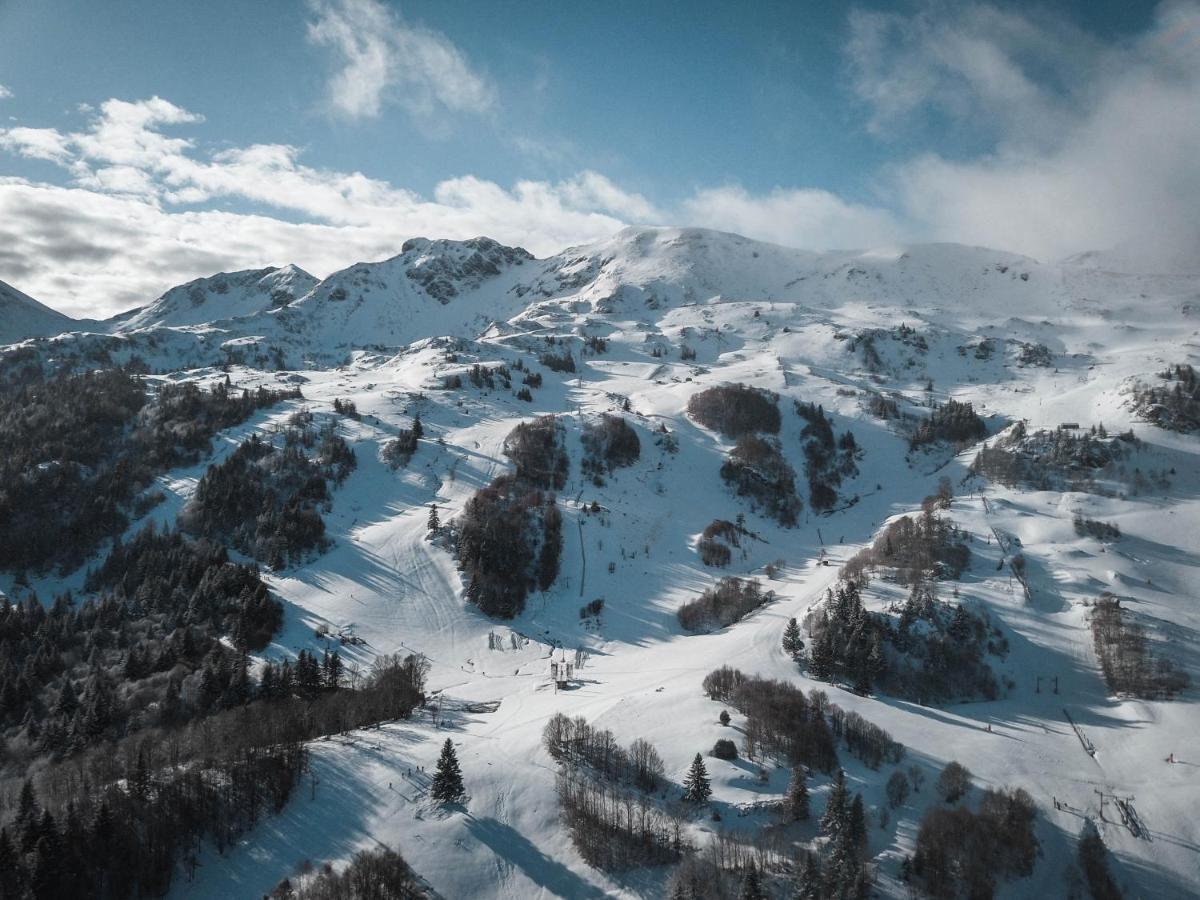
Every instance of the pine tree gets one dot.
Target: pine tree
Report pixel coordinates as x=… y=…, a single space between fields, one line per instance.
x=856 y=824
x=447 y=784
x=434 y=522
x=418 y=429
x=821 y=656
x=797 y=795
x=752 y=888
x=833 y=820
x=808 y=886
x=697 y=787
x=793 y=645
x=11 y=870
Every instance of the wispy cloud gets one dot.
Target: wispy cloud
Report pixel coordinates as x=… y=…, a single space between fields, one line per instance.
x=380 y=58
x=1095 y=144
x=5 y=93
x=809 y=218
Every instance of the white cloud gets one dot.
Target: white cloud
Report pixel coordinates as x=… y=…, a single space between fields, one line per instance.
x=381 y=58
x=813 y=219
x=123 y=231
x=1119 y=168
x=5 y=93
x=1100 y=147
x=35 y=143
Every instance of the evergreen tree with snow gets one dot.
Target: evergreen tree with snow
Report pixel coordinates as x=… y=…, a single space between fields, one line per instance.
x=434 y=522
x=792 y=642
x=833 y=820
x=821 y=656
x=697 y=787
x=797 y=795
x=447 y=784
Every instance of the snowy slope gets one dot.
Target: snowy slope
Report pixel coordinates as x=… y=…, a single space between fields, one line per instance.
x=23 y=317
x=219 y=297
x=796 y=323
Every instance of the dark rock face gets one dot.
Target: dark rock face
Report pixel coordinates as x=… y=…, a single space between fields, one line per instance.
x=443 y=268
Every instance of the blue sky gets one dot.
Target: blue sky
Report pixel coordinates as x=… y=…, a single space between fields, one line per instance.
x=142 y=143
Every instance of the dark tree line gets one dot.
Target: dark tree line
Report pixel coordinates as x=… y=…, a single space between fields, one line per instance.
x=78 y=451
x=961 y=853
x=399 y=450
x=914 y=549
x=954 y=422
x=377 y=874
x=538 y=450
x=756 y=468
x=121 y=820
x=605 y=795
x=736 y=409
x=928 y=651
x=147 y=649
x=802 y=729
x=729 y=600
x=609 y=442
x=1053 y=459
x=508 y=540
x=1174 y=405
x=716 y=540
x=827 y=461
x=1125 y=656
x=265 y=500
x=1102 y=531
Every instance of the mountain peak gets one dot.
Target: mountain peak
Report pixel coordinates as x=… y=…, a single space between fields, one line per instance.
x=22 y=317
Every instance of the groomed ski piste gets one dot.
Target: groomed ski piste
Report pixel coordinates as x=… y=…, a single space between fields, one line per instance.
x=775 y=319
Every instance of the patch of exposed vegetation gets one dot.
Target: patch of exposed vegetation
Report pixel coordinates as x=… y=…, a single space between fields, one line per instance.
x=736 y=409
x=1174 y=404
x=756 y=468
x=1129 y=664
x=723 y=604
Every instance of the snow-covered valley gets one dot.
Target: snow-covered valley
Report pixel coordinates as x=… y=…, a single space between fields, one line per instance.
x=649 y=319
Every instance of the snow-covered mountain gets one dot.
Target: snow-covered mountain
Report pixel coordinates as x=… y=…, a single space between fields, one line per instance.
x=23 y=317
x=473 y=337
x=220 y=297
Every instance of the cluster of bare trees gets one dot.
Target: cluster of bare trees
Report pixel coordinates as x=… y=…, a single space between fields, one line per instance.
x=723 y=604
x=575 y=744
x=803 y=729
x=1125 y=657
x=756 y=468
x=606 y=796
x=508 y=540
x=736 y=409
x=609 y=442
x=377 y=874
x=716 y=541
x=615 y=827
x=914 y=548
x=964 y=853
